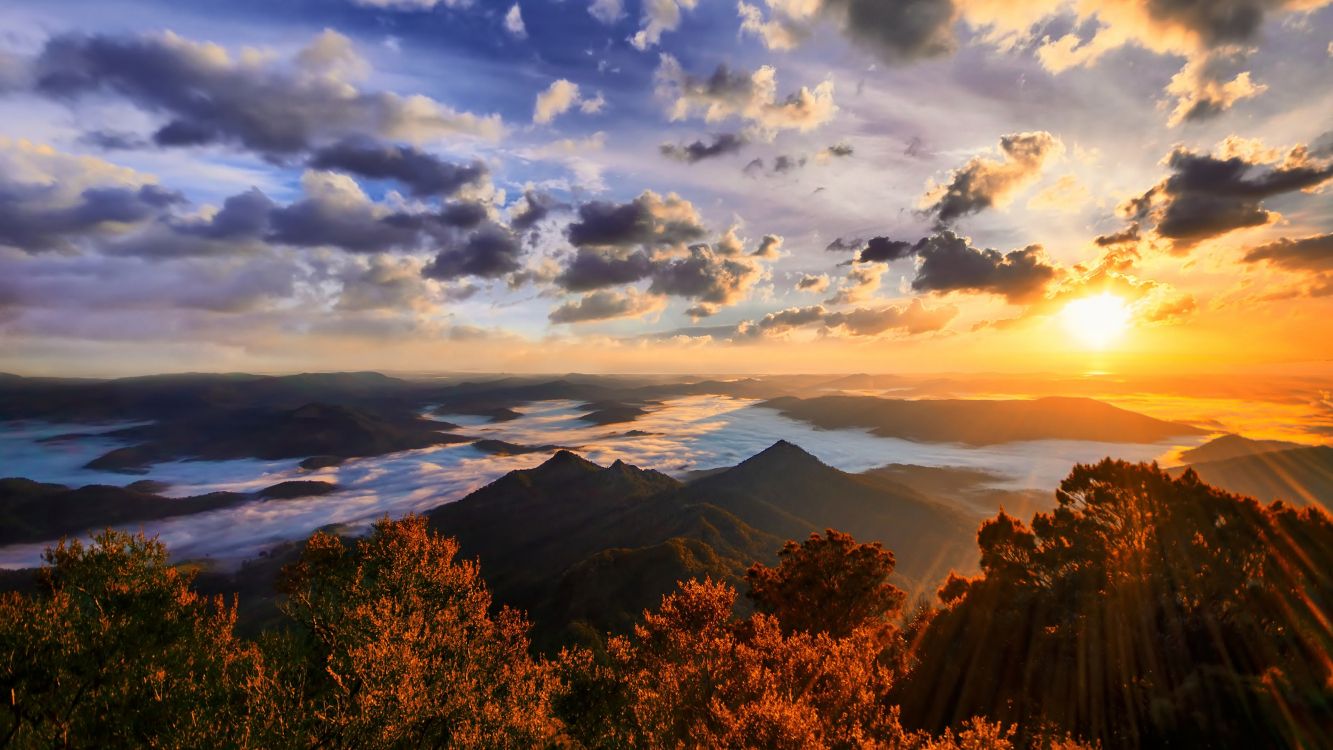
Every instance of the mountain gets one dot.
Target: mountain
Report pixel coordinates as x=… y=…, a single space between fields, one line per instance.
x=38 y=512
x=33 y=512
x=1232 y=446
x=981 y=422
x=1302 y=476
x=585 y=548
x=313 y=429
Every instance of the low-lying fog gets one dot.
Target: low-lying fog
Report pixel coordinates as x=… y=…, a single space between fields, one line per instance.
x=679 y=436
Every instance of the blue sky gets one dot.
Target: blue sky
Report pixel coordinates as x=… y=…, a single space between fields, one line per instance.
x=996 y=142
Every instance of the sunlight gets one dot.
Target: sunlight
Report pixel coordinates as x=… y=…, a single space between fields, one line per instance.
x=1097 y=321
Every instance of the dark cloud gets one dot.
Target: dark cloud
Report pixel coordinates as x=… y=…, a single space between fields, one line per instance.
x=897 y=30
x=536 y=207
x=723 y=144
x=603 y=305
x=489 y=252
x=950 y=264
x=649 y=220
x=1207 y=196
x=884 y=250
x=839 y=150
x=421 y=173
x=913 y=318
x=356 y=227
x=463 y=214
x=243 y=216
x=1125 y=236
x=984 y=181
x=113 y=140
x=784 y=163
x=1306 y=253
x=208 y=96
x=591 y=270
x=29 y=223
x=709 y=278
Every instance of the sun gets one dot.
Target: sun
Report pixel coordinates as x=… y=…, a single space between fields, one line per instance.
x=1096 y=321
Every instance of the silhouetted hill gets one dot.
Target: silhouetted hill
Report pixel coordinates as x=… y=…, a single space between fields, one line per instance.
x=788 y=493
x=1232 y=446
x=33 y=512
x=1303 y=476
x=314 y=429
x=582 y=546
x=980 y=422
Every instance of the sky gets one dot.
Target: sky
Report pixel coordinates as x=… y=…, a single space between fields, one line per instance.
x=667 y=186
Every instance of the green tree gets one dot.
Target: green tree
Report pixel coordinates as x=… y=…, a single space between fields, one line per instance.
x=400 y=650
x=116 y=650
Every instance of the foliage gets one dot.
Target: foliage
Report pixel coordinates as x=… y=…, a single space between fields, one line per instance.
x=116 y=650
x=828 y=584
x=1143 y=610
x=399 y=648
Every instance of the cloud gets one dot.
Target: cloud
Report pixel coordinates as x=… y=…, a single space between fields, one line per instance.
x=711 y=279
x=55 y=201
x=1202 y=91
x=985 y=181
x=781 y=321
x=113 y=140
x=860 y=285
x=1313 y=253
x=336 y=212
x=384 y=282
x=275 y=109
x=1127 y=236
x=1066 y=195
x=950 y=264
x=603 y=305
x=591 y=270
x=489 y=252
x=751 y=97
x=723 y=144
x=770 y=247
x=896 y=31
x=884 y=250
x=913 y=318
x=557 y=99
x=514 y=23
x=812 y=283
x=421 y=173
x=650 y=220
x=534 y=209
x=1161 y=26
x=659 y=16
x=607 y=11
x=1207 y=196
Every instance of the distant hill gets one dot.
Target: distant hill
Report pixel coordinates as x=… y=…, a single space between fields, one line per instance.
x=981 y=422
x=310 y=430
x=582 y=546
x=39 y=512
x=1233 y=446
x=1303 y=476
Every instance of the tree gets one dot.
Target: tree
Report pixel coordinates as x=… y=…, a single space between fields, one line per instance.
x=116 y=650
x=828 y=584
x=1143 y=610
x=399 y=647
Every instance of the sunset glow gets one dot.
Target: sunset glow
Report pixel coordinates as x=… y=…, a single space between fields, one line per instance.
x=1098 y=321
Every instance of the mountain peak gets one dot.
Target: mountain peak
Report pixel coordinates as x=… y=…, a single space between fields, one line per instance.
x=782 y=453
